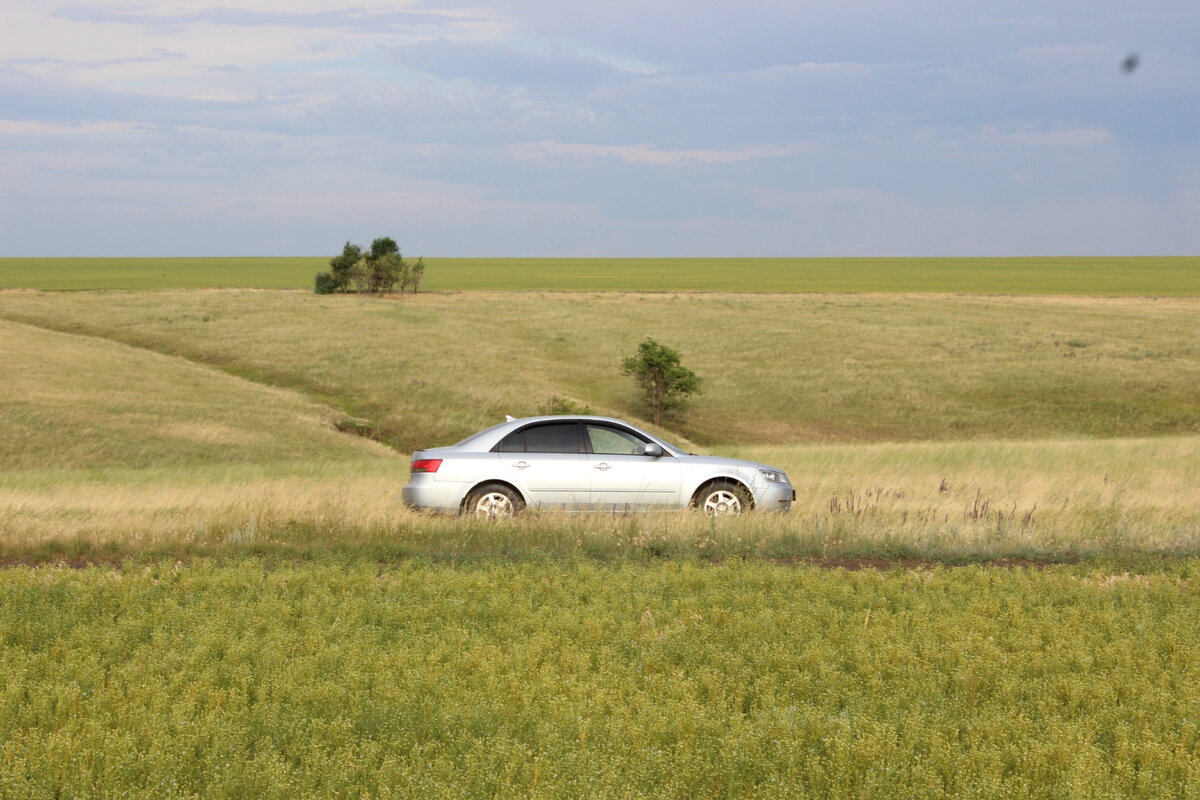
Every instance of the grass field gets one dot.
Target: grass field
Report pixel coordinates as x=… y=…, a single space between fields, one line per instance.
x=1165 y=276
x=268 y=620
x=431 y=369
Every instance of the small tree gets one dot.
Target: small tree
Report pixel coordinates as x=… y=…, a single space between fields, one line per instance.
x=341 y=268
x=385 y=265
x=417 y=273
x=667 y=383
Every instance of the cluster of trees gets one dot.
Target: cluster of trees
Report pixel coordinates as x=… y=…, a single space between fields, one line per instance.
x=378 y=270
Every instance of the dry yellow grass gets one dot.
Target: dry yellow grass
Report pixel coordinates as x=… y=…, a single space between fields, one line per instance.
x=107 y=446
x=132 y=509
x=77 y=401
x=943 y=500
x=433 y=368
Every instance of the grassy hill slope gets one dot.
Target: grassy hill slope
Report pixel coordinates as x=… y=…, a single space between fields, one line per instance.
x=776 y=369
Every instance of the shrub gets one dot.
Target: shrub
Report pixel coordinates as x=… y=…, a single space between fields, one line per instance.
x=563 y=405
x=325 y=283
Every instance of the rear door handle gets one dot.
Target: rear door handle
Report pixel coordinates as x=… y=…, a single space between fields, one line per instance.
x=601 y=466
x=521 y=464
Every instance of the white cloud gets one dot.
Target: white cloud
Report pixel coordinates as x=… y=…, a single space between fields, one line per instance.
x=1067 y=54
x=649 y=154
x=1062 y=137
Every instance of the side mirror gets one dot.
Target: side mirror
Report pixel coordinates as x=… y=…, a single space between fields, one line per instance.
x=652 y=450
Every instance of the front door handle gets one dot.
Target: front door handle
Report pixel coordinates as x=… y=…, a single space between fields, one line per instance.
x=521 y=464
x=601 y=466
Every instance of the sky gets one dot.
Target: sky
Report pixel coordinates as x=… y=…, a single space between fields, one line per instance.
x=545 y=128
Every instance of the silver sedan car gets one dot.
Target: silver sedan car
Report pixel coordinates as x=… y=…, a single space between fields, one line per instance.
x=585 y=463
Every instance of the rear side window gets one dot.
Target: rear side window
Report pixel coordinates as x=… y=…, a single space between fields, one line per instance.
x=513 y=443
x=552 y=438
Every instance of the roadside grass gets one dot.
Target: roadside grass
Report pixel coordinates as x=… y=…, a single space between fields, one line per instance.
x=558 y=679
x=953 y=502
x=431 y=369
x=1147 y=276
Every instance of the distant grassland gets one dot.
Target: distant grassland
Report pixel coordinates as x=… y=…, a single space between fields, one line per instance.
x=1166 y=276
x=775 y=369
x=553 y=679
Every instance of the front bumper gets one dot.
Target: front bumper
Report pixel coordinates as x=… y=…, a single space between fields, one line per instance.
x=774 y=497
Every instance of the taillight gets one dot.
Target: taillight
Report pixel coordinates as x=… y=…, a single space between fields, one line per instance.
x=426 y=465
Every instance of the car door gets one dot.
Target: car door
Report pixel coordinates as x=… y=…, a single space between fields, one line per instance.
x=548 y=463
x=623 y=476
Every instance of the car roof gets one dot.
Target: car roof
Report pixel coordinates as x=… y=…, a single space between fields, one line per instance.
x=488 y=437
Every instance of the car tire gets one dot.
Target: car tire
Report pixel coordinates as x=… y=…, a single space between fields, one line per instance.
x=723 y=499
x=493 y=501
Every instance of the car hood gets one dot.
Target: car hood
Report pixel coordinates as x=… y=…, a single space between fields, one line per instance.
x=720 y=462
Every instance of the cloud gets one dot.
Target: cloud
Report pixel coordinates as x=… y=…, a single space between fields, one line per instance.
x=489 y=62
x=649 y=154
x=160 y=20
x=1063 y=137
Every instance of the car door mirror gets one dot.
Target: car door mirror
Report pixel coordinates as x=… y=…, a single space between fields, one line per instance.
x=653 y=450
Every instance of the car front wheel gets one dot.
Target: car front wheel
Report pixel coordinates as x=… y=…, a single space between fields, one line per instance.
x=493 y=501
x=724 y=499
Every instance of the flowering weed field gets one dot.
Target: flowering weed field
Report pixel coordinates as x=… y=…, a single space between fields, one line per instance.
x=551 y=678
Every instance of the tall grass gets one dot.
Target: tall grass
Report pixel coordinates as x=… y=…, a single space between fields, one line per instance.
x=953 y=502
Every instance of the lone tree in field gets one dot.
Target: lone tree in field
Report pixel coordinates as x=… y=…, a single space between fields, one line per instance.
x=667 y=383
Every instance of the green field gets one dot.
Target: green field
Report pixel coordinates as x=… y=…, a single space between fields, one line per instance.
x=1163 y=276
x=581 y=679
x=263 y=617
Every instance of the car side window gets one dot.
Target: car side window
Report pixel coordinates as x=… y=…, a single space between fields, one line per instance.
x=553 y=438
x=614 y=441
x=513 y=443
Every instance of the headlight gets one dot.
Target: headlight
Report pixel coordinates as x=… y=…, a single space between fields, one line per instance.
x=773 y=476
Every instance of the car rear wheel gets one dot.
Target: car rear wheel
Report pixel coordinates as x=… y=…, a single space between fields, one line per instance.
x=493 y=501
x=724 y=499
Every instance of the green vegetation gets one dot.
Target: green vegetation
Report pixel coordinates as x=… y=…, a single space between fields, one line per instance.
x=376 y=271
x=577 y=679
x=72 y=274
x=1160 y=276
x=666 y=383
